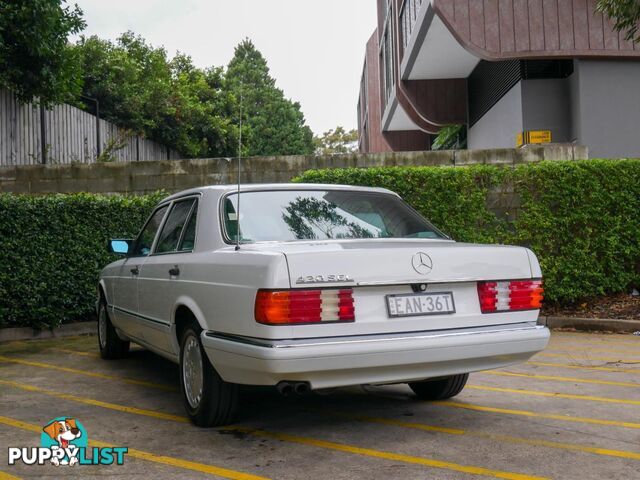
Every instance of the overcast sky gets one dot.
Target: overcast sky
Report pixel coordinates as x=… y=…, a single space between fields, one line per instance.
x=314 y=48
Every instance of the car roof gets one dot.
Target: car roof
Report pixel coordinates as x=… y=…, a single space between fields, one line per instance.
x=252 y=187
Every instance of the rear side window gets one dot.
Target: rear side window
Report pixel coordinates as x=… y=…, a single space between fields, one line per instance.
x=189 y=236
x=173 y=227
x=144 y=242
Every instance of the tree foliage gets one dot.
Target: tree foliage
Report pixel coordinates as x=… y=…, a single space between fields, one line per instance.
x=272 y=124
x=625 y=14
x=169 y=100
x=451 y=137
x=336 y=140
x=35 y=62
x=193 y=110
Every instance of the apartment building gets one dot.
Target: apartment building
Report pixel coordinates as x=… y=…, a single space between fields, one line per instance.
x=501 y=68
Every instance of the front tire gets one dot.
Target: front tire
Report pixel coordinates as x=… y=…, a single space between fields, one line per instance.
x=441 y=388
x=208 y=400
x=111 y=345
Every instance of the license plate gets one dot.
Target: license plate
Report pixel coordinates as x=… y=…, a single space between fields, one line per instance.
x=414 y=304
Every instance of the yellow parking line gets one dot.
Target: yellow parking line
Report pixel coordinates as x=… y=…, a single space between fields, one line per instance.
x=96 y=403
x=289 y=438
x=528 y=413
x=589 y=348
x=586 y=356
x=6 y=476
x=538 y=393
x=77 y=352
x=584 y=367
x=498 y=437
x=595 y=341
x=341 y=447
x=561 y=379
x=87 y=373
x=151 y=457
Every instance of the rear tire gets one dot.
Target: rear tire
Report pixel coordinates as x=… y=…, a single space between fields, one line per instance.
x=208 y=400
x=441 y=388
x=111 y=345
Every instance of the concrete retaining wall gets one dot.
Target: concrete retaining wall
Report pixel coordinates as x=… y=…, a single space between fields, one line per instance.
x=176 y=175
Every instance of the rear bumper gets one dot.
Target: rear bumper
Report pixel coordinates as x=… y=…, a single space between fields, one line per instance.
x=372 y=359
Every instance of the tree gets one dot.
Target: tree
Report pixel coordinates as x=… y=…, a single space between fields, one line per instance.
x=337 y=140
x=34 y=59
x=451 y=137
x=170 y=101
x=272 y=124
x=625 y=14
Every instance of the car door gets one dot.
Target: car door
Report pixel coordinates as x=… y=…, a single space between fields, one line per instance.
x=125 y=294
x=160 y=274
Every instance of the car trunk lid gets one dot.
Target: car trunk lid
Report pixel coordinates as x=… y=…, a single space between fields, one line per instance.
x=379 y=268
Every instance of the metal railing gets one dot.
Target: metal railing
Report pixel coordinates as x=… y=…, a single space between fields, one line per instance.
x=408 y=16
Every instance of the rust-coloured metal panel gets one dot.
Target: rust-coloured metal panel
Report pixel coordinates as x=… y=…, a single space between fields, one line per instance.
x=508 y=29
x=625 y=44
x=476 y=15
x=596 y=28
x=536 y=25
x=491 y=29
x=408 y=141
x=461 y=16
x=521 y=24
x=610 y=35
x=565 y=25
x=581 y=24
x=372 y=139
x=551 y=27
x=442 y=101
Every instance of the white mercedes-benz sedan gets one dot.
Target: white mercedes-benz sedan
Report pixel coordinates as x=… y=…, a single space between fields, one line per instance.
x=308 y=287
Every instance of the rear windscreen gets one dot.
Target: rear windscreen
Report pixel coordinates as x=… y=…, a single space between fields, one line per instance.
x=289 y=215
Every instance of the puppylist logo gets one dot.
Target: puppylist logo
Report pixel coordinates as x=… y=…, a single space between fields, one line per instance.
x=64 y=441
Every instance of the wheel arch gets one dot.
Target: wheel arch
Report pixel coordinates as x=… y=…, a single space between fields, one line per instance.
x=102 y=293
x=184 y=311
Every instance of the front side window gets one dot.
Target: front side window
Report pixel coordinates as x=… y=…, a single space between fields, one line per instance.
x=144 y=242
x=172 y=229
x=322 y=215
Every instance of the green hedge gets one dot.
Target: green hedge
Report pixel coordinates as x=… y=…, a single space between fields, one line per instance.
x=52 y=249
x=581 y=218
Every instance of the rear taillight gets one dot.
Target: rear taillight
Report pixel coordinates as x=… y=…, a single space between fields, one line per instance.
x=510 y=295
x=294 y=307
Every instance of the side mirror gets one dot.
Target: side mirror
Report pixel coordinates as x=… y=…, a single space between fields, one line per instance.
x=119 y=246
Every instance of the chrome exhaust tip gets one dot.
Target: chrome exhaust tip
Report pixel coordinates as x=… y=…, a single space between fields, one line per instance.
x=301 y=388
x=285 y=389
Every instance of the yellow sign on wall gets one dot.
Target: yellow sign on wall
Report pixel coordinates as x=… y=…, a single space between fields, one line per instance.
x=533 y=136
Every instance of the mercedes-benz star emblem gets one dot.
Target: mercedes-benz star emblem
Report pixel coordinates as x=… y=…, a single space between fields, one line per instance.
x=422 y=263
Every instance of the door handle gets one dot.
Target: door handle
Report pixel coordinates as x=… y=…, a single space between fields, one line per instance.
x=175 y=271
x=135 y=270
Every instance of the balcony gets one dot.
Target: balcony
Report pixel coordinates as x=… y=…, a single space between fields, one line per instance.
x=431 y=51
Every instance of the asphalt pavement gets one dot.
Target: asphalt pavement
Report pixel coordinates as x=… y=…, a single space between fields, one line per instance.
x=572 y=412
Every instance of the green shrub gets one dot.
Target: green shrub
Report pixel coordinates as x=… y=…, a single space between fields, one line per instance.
x=52 y=249
x=581 y=218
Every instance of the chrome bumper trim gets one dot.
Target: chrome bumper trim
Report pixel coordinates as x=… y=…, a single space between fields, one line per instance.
x=374 y=338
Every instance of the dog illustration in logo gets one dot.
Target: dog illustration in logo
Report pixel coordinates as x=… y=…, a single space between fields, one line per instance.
x=63 y=432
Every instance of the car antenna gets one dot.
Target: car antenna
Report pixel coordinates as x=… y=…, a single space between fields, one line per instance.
x=239 y=158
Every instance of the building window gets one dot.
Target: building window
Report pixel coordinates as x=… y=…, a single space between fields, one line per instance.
x=408 y=17
x=387 y=62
